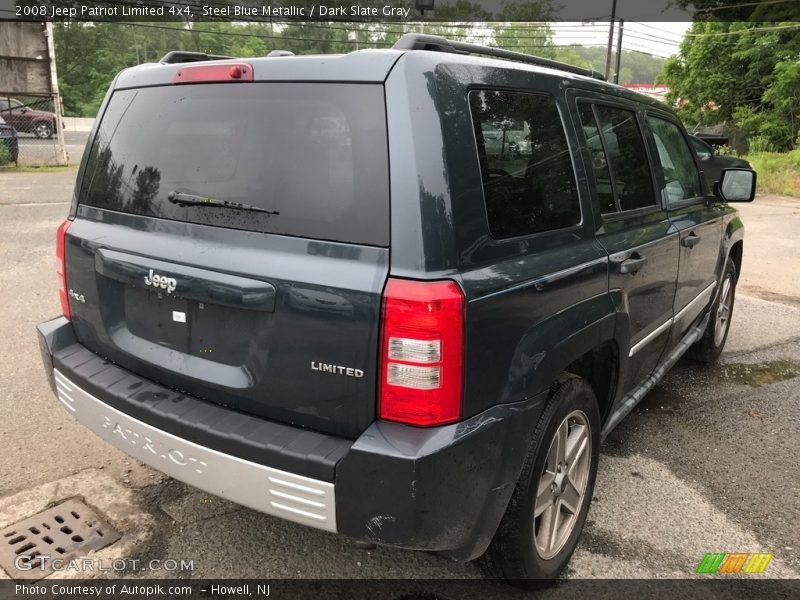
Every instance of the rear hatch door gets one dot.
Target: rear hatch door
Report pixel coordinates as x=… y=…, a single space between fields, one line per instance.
x=231 y=242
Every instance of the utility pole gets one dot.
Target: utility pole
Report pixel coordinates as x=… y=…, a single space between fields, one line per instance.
x=58 y=107
x=619 y=49
x=611 y=37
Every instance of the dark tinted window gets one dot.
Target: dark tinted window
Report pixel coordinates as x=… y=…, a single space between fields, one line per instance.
x=316 y=153
x=621 y=170
x=602 y=174
x=701 y=149
x=528 y=179
x=679 y=178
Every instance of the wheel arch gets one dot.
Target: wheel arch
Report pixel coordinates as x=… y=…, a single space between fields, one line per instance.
x=735 y=254
x=734 y=243
x=599 y=366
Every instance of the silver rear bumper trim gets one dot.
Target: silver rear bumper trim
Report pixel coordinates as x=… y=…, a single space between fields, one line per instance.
x=279 y=493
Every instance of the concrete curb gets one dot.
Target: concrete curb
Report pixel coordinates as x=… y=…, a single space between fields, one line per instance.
x=78 y=124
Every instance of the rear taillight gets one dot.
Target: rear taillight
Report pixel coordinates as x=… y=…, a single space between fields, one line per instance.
x=422 y=345
x=61 y=267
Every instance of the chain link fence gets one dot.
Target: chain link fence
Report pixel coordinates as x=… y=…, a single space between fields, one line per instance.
x=40 y=136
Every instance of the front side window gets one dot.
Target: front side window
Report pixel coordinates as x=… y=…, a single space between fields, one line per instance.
x=526 y=169
x=10 y=103
x=702 y=151
x=619 y=159
x=679 y=178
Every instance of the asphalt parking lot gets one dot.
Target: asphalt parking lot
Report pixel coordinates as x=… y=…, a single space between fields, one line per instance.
x=708 y=462
x=35 y=151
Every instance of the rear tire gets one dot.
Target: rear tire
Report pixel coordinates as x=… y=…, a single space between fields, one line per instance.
x=709 y=347
x=558 y=485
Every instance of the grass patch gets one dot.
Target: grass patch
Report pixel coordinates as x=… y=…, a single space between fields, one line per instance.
x=50 y=169
x=778 y=172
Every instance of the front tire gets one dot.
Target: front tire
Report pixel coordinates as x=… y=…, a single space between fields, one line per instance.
x=709 y=347
x=548 y=508
x=43 y=130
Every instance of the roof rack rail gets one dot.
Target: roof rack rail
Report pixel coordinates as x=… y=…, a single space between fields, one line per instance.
x=436 y=43
x=180 y=56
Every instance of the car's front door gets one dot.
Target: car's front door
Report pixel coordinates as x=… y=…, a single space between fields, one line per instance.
x=695 y=215
x=634 y=228
x=15 y=113
x=705 y=155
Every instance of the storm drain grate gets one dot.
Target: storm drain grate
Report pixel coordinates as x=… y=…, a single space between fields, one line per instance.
x=66 y=531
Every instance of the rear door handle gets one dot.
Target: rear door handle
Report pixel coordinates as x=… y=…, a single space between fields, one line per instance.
x=691 y=240
x=632 y=264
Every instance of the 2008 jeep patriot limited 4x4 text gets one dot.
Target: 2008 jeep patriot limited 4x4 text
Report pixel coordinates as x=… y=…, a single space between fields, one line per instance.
x=398 y=294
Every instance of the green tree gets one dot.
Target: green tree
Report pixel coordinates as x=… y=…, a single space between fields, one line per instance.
x=740 y=72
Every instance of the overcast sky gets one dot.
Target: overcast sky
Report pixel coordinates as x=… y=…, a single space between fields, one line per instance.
x=660 y=39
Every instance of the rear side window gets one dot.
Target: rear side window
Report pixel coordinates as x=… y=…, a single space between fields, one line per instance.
x=315 y=153
x=679 y=178
x=528 y=178
x=619 y=161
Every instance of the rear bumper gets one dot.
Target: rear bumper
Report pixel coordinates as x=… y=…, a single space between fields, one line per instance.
x=442 y=489
x=275 y=492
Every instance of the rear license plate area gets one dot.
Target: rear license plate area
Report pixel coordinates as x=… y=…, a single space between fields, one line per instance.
x=158 y=317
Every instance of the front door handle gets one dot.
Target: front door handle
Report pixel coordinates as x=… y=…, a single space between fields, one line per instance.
x=632 y=264
x=691 y=240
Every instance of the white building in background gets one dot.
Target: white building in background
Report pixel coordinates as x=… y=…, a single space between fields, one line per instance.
x=659 y=92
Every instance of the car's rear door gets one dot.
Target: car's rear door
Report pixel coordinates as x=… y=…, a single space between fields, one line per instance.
x=633 y=227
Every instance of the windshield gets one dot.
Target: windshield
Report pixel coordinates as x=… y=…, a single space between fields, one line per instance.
x=313 y=155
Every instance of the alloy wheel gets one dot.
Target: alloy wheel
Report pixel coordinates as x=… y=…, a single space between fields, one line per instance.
x=722 y=320
x=562 y=484
x=43 y=130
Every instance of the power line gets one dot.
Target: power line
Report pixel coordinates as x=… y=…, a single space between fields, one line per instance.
x=743 y=5
x=629 y=34
x=741 y=31
x=667 y=37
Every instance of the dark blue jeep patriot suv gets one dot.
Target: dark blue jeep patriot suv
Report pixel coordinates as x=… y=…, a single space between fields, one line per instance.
x=398 y=294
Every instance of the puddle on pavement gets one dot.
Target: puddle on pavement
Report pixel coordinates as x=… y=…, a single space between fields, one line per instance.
x=756 y=375
x=665 y=398
x=660 y=398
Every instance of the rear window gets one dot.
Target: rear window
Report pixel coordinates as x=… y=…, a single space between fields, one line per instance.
x=315 y=153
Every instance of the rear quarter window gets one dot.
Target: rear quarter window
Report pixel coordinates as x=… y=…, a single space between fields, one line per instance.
x=527 y=173
x=315 y=153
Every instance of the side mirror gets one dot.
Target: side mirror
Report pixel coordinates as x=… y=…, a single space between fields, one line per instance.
x=736 y=185
x=23 y=110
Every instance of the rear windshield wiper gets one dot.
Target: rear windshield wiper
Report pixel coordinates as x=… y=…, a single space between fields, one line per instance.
x=183 y=199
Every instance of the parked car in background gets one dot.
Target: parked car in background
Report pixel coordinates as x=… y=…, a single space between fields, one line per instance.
x=8 y=137
x=712 y=162
x=27 y=119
